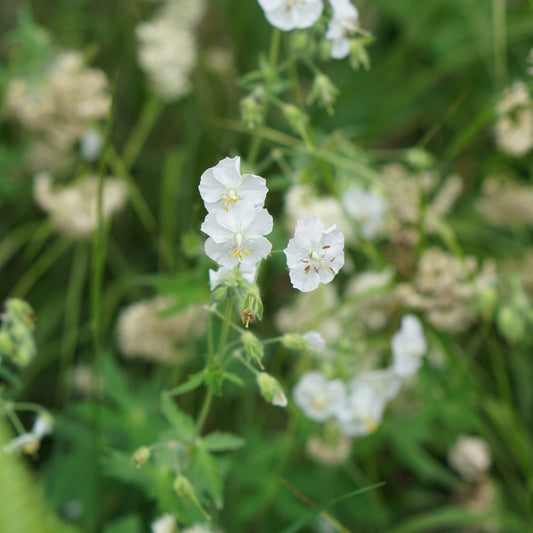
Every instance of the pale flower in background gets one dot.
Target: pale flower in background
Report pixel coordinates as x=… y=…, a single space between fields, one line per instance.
x=514 y=127
x=165 y=524
x=368 y=394
x=143 y=332
x=167 y=47
x=314 y=341
x=314 y=255
x=341 y=27
x=367 y=209
x=237 y=236
x=223 y=186
x=408 y=346
x=470 y=457
x=317 y=397
x=73 y=208
x=327 y=451
x=292 y=14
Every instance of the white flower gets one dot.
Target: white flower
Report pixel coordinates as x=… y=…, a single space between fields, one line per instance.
x=342 y=25
x=165 y=524
x=91 y=144
x=368 y=394
x=408 y=346
x=315 y=254
x=470 y=457
x=290 y=14
x=222 y=186
x=314 y=341
x=318 y=398
x=236 y=236
x=367 y=209
x=217 y=277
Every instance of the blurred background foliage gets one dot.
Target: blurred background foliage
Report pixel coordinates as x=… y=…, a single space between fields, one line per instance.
x=437 y=69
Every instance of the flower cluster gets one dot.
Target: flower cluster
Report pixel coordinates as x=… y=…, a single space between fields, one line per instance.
x=167 y=47
x=357 y=406
x=236 y=222
x=300 y=14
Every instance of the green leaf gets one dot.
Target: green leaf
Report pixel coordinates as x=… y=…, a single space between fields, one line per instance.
x=127 y=524
x=220 y=441
x=300 y=523
x=205 y=473
x=180 y=421
x=193 y=382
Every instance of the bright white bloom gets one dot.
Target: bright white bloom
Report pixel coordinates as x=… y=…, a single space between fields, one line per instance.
x=29 y=442
x=74 y=208
x=165 y=524
x=470 y=457
x=314 y=341
x=222 y=186
x=317 y=397
x=216 y=277
x=341 y=27
x=236 y=236
x=291 y=14
x=367 y=209
x=368 y=394
x=314 y=255
x=91 y=144
x=408 y=346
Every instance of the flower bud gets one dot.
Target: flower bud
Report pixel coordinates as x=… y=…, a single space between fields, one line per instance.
x=419 y=158
x=511 y=324
x=186 y=491
x=251 y=112
x=293 y=341
x=140 y=456
x=252 y=305
x=271 y=390
x=323 y=92
x=296 y=117
x=253 y=347
x=359 y=55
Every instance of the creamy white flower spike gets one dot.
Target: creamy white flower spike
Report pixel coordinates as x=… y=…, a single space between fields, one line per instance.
x=317 y=397
x=341 y=27
x=237 y=236
x=368 y=394
x=314 y=255
x=367 y=209
x=408 y=346
x=470 y=456
x=291 y=14
x=223 y=186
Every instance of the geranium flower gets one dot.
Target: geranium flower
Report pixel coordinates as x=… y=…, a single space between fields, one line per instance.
x=366 y=208
x=290 y=14
x=408 y=346
x=223 y=186
x=342 y=25
x=368 y=394
x=236 y=236
x=314 y=254
x=317 y=397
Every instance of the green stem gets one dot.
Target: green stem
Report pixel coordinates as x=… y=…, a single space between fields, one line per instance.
x=149 y=115
x=225 y=329
x=206 y=406
x=273 y=59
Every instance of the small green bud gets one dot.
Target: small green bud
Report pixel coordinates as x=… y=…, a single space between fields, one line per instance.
x=251 y=112
x=140 y=456
x=186 y=491
x=323 y=92
x=220 y=293
x=271 y=390
x=253 y=347
x=293 y=341
x=358 y=54
x=252 y=305
x=17 y=340
x=511 y=324
x=296 y=117
x=487 y=301
x=419 y=158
